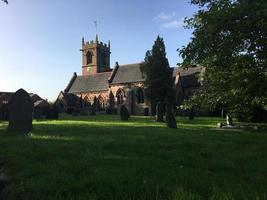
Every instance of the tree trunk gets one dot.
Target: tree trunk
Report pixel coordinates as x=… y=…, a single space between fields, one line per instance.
x=159 y=112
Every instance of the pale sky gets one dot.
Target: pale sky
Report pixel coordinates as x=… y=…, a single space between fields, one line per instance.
x=40 y=40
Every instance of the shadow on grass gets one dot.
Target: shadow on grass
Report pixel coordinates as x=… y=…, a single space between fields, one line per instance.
x=101 y=158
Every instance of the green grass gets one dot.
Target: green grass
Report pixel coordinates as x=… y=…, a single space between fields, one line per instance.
x=103 y=158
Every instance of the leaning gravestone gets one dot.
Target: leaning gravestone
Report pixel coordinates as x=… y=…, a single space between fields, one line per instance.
x=124 y=113
x=20 y=112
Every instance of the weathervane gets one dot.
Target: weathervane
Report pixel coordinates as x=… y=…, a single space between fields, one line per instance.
x=95 y=22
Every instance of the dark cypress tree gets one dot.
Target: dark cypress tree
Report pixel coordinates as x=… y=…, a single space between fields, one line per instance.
x=159 y=81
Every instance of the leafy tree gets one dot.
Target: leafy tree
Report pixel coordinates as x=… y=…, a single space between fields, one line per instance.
x=159 y=83
x=5 y=1
x=230 y=40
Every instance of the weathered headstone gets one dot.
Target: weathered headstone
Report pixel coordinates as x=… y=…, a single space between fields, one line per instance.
x=171 y=122
x=20 y=112
x=146 y=112
x=124 y=113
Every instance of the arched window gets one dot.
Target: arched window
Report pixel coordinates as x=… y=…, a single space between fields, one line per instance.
x=120 y=95
x=89 y=57
x=140 y=96
x=101 y=103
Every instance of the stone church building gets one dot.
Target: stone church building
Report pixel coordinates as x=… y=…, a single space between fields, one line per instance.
x=121 y=85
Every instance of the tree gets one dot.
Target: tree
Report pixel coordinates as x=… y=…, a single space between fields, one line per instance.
x=230 y=40
x=5 y=1
x=159 y=83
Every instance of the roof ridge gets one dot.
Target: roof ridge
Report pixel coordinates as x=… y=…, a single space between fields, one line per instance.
x=130 y=64
x=93 y=74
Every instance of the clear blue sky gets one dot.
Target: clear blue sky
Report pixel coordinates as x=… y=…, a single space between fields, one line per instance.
x=40 y=39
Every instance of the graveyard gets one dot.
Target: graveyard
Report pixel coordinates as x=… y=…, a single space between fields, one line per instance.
x=133 y=100
x=103 y=157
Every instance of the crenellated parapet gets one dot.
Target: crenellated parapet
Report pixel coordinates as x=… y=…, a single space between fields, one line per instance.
x=95 y=57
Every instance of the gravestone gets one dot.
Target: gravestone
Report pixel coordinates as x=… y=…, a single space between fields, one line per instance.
x=124 y=113
x=171 y=122
x=20 y=112
x=146 y=112
x=191 y=114
x=52 y=112
x=92 y=109
x=229 y=120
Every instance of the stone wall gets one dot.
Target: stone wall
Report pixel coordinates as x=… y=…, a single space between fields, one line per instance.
x=129 y=97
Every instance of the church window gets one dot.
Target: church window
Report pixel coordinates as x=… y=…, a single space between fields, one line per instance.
x=101 y=103
x=140 y=95
x=120 y=95
x=89 y=57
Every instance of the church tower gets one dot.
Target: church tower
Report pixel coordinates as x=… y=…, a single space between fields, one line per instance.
x=95 y=57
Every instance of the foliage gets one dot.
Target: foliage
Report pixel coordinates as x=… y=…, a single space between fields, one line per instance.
x=5 y=1
x=159 y=83
x=101 y=157
x=229 y=39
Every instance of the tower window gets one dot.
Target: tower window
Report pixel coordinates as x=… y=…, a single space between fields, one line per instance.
x=140 y=95
x=89 y=57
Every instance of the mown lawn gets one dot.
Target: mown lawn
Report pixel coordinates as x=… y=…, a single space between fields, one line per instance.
x=101 y=157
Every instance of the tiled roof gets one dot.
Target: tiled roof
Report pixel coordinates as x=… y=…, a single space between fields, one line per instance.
x=41 y=103
x=186 y=71
x=5 y=97
x=189 y=76
x=35 y=97
x=190 y=81
x=128 y=74
x=96 y=82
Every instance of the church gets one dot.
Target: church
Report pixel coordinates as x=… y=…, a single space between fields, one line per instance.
x=109 y=88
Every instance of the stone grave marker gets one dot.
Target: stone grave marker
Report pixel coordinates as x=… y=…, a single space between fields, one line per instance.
x=20 y=110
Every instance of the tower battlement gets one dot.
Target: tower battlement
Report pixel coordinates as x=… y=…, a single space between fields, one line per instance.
x=95 y=57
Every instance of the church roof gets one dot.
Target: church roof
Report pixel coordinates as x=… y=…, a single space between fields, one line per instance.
x=128 y=74
x=189 y=76
x=186 y=71
x=90 y=83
